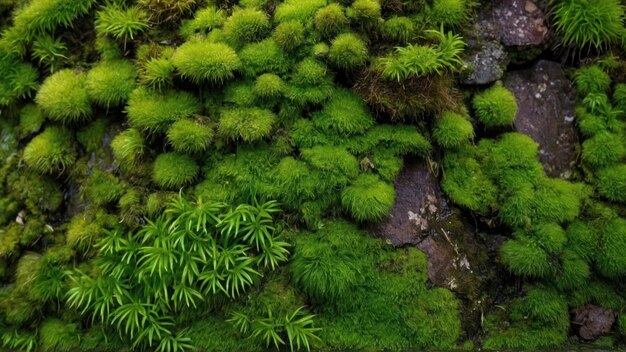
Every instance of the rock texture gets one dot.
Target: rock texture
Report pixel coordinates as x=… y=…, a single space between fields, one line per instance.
x=545 y=100
x=593 y=321
x=519 y=22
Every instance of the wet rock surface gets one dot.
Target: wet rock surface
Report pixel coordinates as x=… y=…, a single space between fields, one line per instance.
x=545 y=100
x=593 y=321
x=519 y=22
x=460 y=258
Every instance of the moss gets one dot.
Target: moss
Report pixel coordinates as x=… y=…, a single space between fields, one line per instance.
x=168 y=9
x=298 y=10
x=51 y=151
x=611 y=182
x=545 y=306
x=204 y=20
x=524 y=257
x=452 y=130
x=368 y=198
x=603 y=149
x=330 y=20
x=85 y=229
x=610 y=260
x=156 y=111
x=582 y=238
x=589 y=24
x=102 y=188
x=450 y=12
x=337 y=165
x=348 y=52
x=289 y=35
x=132 y=207
x=109 y=83
x=249 y=124
x=38 y=192
x=128 y=147
x=121 y=23
x=240 y=94
x=188 y=136
x=63 y=97
x=50 y=52
x=262 y=57
x=203 y=61
x=310 y=83
x=92 y=135
x=574 y=273
x=619 y=96
x=364 y=11
x=20 y=79
x=466 y=184
x=551 y=237
x=591 y=124
x=512 y=161
x=591 y=79
x=157 y=73
x=386 y=165
x=31 y=120
x=56 y=335
x=246 y=26
x=344 y=114
x=495 y=106
x=10 y=239
x=399 y=29
x=596 y=292
x=268 y=86
x=173 y=171
x=401 y=140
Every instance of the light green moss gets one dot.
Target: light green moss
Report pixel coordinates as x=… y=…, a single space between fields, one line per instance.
x=612 y=182
x=262 y=57
x=203 y=61
x=156 y=111
x=298 y=10
x=247 y=124
x=452 y=130
x=102 y=188
x=344 y=114
x=92 y=135
x=368 y=198
x=51 y=151
x=289 y=35
x=603 y=149
x=173 y=171
x=188 y=136
x=110 y=83
x=246 y=26
x=330 y=20
x=495 y=106
x=348 y=52
x=63 y=97
x=128 y=147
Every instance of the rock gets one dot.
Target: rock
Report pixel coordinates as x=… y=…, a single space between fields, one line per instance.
x=545 y=100
x=593 y=321
x=519 y=22
x=486 y=60
x=418 y=199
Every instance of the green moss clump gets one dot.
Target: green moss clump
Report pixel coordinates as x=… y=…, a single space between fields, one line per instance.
x=336 y=164
x=610 y=259
x=452 y=130
x=603 y=149
x=246 y=26
x=128 y=147
x=92 y=135
x=51 y=151
x=156 y=111
x=19 y=79
x=204 y=20
x=344 y=114
x=102 y=188
x=268 y=86
x=188 y=136
x=467 y=185
x=582 y=239
x=56 y=335
x=589 y=24
x=574 y=273
x=289 y=35
x=298 y=10
x=612 y=182
x=330 y=20
x=39 y=193
x=543 y=305
x=368 y=198
x=591 y=79
x=450 y=12
x=619 y=96
x=86 y=228
x=495 y=106
x=63 y=97
x=121 y=23
x=524 y=257
x=157 y=73
x=364 y=11
x=249 y=124
x=551 y=237
x=398 y=29
x=31 y=119
x=348 y=52
x=173 y=171
x=203 y=61
x=110 y=83
x=262 y=57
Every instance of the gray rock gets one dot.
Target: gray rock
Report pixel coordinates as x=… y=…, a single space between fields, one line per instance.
x=545 y=100
x=486 y=61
